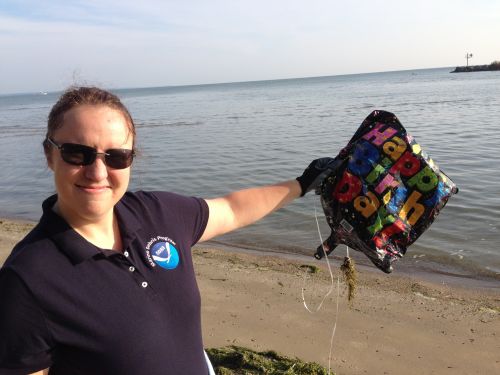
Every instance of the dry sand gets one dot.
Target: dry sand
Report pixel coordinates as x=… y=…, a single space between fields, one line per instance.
x=397 y=324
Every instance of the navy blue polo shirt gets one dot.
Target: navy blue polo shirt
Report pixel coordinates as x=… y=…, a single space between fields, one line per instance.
x=79 y=309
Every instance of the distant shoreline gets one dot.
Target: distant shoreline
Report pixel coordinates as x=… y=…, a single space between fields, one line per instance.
x=478 y=68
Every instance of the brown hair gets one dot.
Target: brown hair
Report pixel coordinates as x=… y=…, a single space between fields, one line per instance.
x=75 y=96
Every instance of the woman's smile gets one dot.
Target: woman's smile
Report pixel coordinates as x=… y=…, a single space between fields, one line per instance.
x=93 y=189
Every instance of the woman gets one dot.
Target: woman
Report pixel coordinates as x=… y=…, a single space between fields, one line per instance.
x=104 y=284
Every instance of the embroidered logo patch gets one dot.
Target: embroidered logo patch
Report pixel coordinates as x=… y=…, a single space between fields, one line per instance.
x=161 y=251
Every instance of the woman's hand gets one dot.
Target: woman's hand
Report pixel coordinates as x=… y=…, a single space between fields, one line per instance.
x=315 y=173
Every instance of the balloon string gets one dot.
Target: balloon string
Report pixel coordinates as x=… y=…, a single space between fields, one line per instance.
x=313 y=311
x=329 y=270
x=334 y=327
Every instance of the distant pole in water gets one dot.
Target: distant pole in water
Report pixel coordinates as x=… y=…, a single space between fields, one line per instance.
x=467 y=57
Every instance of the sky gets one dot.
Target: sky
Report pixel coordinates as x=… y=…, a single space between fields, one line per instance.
x=51 y=44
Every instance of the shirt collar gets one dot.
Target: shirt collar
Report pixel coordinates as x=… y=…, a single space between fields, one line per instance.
x=67 y=240
x=75 y=246
x=128 y=220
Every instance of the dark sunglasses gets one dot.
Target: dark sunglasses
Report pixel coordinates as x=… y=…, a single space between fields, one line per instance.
x=75 y=154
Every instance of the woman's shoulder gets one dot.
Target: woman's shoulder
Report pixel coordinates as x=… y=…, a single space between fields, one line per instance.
x=28 y=249
x=163 y=200
x=152 y=195
x=150 y=206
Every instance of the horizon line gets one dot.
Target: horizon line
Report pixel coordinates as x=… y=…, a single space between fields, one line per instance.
x=217 y=83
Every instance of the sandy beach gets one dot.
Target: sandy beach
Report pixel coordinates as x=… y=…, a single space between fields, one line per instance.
x=397 y=324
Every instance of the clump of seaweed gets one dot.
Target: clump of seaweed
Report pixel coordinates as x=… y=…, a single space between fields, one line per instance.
x=310 y=268
x=236 y=360
x=350 y=276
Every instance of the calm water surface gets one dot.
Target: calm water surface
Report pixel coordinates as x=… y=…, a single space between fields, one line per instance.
x=211 y=139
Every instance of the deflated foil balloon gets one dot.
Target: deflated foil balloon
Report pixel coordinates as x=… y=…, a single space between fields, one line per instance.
x=383 y=192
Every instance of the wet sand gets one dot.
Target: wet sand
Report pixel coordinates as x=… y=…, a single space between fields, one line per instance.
x=401 y=323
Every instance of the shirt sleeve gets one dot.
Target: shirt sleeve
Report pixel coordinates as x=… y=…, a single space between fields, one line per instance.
x=25 y=342
x=189 y=212
x=201 y=219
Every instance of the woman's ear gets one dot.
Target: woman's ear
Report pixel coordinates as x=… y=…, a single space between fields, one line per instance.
x=49 y=158
x=49 y=161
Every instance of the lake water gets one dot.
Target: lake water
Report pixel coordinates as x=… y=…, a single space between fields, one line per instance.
x=208 y=140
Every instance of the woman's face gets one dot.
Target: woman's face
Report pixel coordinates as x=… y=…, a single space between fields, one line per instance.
x=89 y=193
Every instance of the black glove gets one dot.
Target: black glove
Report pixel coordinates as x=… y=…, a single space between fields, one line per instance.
x=315 y=173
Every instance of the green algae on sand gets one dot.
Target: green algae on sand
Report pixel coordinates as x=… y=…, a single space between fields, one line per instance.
x=236 y=360
x=350 y=276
